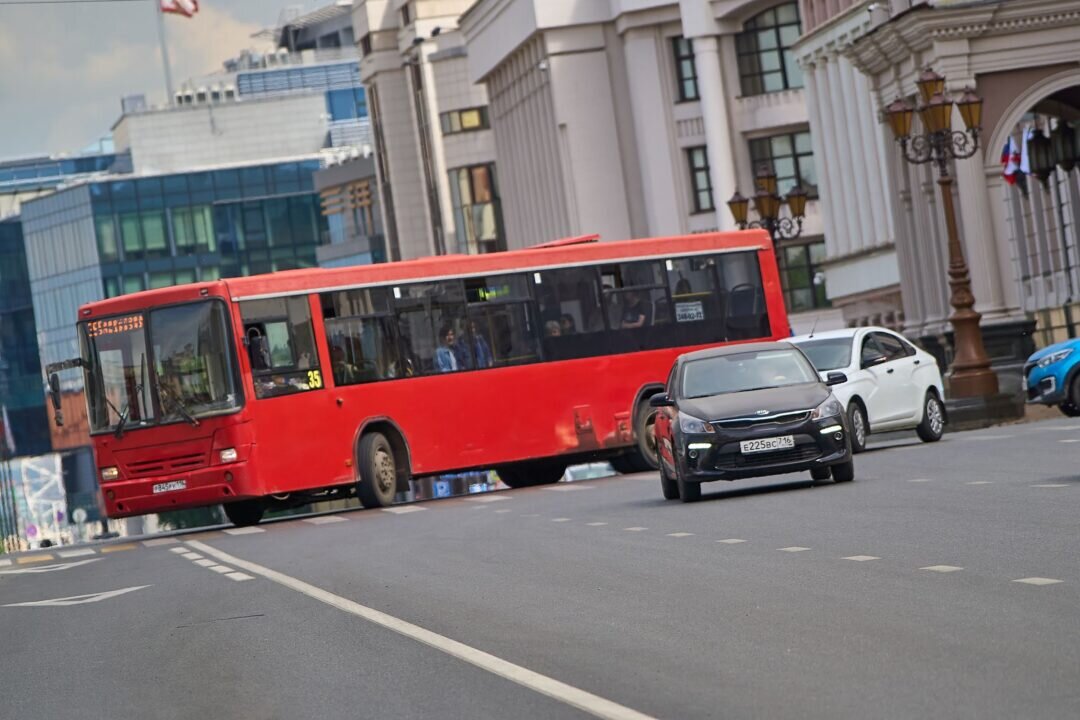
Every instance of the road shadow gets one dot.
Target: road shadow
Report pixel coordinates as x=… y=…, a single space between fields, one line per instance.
x=739 y=491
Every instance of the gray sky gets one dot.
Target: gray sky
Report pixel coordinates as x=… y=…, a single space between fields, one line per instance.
x=64 y=69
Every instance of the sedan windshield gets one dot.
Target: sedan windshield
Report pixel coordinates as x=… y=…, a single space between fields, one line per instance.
x=745 y=371
x=827 y=353
x=186 y=373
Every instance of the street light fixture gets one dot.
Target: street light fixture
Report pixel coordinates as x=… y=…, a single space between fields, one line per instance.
x=971 y=375
x=767 y=204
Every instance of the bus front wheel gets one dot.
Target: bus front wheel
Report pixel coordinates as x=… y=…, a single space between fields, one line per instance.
x=244 y=513
x=377 y=470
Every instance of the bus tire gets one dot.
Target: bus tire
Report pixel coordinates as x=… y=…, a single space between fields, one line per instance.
x=643 y=457
x=244 y=513
x=376 y=468
x=532 y=474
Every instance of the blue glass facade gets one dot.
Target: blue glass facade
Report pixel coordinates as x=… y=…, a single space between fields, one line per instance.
x=21 y=390
x=45 y=172
x=340 y=82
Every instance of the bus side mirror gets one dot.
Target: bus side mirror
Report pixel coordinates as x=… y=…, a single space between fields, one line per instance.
x=54 y=395
x=661 y=400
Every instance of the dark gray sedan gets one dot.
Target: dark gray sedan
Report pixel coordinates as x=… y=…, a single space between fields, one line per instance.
x=749 y=410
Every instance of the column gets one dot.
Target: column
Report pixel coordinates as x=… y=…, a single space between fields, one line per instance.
x=838 y=159
x=717 y=127
x=852 y=151
x=870 y=139
x=818 y=131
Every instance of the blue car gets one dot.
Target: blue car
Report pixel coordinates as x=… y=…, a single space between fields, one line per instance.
x=1052 y=377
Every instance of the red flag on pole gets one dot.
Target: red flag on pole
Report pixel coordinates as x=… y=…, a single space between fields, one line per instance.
x=187 y=8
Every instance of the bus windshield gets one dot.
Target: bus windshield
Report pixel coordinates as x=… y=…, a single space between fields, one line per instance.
x=182 y=373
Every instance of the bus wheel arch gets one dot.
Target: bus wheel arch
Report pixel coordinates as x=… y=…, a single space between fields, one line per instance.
x=369 y=439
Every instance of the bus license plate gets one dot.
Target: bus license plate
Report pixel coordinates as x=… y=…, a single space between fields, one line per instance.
x=766 y=444
x=170 y=486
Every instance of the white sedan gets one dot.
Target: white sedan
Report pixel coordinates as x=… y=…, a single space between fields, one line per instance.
x=892 y=385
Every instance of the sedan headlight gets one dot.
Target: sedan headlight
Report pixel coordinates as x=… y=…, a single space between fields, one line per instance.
x=690 y=424
x=830 y=408
x=1055 y=357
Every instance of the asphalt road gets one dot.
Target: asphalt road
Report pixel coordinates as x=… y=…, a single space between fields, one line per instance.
x=943 y=583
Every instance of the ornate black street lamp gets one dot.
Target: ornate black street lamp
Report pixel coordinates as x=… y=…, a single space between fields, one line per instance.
x=767 y=205
x=971 y=374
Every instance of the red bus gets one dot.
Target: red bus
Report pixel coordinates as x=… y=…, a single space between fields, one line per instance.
x=275 y=390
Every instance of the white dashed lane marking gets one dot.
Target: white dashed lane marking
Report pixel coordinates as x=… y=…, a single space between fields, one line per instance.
x=221 y=569
x=560 y=520
x=731 y=541
x=325 y=520
x=205 y=563
x=1050 y=485
x=568 y=488
x=990 y=437
x=75 y=553
x=793 y=548
x=680 y=534
x=920 y=480
x=504 y=510
x=980 y=482
x=403 y=509
x=192 y=556
x=1038 y=581
x=941 y=568
x=239 y=576
x=243 y=531
x=178 y=550
x=596 y=524
x=635 y=529
x=487 y=498
x=158 y=542
x=862 y=558
x=1070 y=440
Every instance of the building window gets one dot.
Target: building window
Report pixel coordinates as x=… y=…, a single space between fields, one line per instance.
x=803 y=279
x=365 y=45
x=406 y=15
x=700 y=181
x=790 y=157
x=346 y=104
x=468 y=120
x=764 y=50
x=685 y=69
x=477 y=216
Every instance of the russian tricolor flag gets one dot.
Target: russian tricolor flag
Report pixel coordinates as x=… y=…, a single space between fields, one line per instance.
x=187 y=8
x=1010 y=161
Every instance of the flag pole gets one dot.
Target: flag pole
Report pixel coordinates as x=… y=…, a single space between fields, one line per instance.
x=170 y=95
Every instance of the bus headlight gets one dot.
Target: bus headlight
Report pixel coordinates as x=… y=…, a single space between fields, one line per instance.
x=110 y=473
x=228 y=455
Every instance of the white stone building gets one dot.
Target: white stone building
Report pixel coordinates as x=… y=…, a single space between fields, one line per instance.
x=434 y=148
x=636 y=118
x=1023 y=58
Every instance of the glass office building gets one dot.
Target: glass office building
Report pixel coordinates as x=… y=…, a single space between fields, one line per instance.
x=21 y=392
x=122 y=235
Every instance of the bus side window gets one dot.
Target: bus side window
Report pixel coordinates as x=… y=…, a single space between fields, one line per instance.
x=281 y=346
x=362 y=336
x=747 y=316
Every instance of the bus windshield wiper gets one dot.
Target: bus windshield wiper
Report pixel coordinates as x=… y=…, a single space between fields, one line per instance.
x=121 y=421
x=166 y=393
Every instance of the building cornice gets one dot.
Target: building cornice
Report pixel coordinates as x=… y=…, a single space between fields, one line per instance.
x=836 y=35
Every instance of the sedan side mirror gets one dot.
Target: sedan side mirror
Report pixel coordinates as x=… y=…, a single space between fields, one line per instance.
x=835 y=378
x=661 y=400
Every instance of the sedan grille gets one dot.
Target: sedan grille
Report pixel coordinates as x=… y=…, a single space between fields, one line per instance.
x=748 y=422
x=731 y=459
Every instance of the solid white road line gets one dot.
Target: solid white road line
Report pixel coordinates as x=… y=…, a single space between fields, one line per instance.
x=1038 y=581
x=324 y=520
x=403 y=509
x=243 y=531
x=862 y=558
x=793 y=548
x=941 y=568
x=158 y=542
x=76 y=553
x=555 y=689
x=731 y=541
x=680 y=534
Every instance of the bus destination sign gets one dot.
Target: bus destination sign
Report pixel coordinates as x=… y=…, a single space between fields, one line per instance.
x=114 y=326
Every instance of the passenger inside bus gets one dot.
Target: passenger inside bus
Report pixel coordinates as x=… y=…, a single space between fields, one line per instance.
x=446 y=353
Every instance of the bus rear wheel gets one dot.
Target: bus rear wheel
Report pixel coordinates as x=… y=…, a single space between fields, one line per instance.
x=644 y=456
x=377 y=471
x=244 y=513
